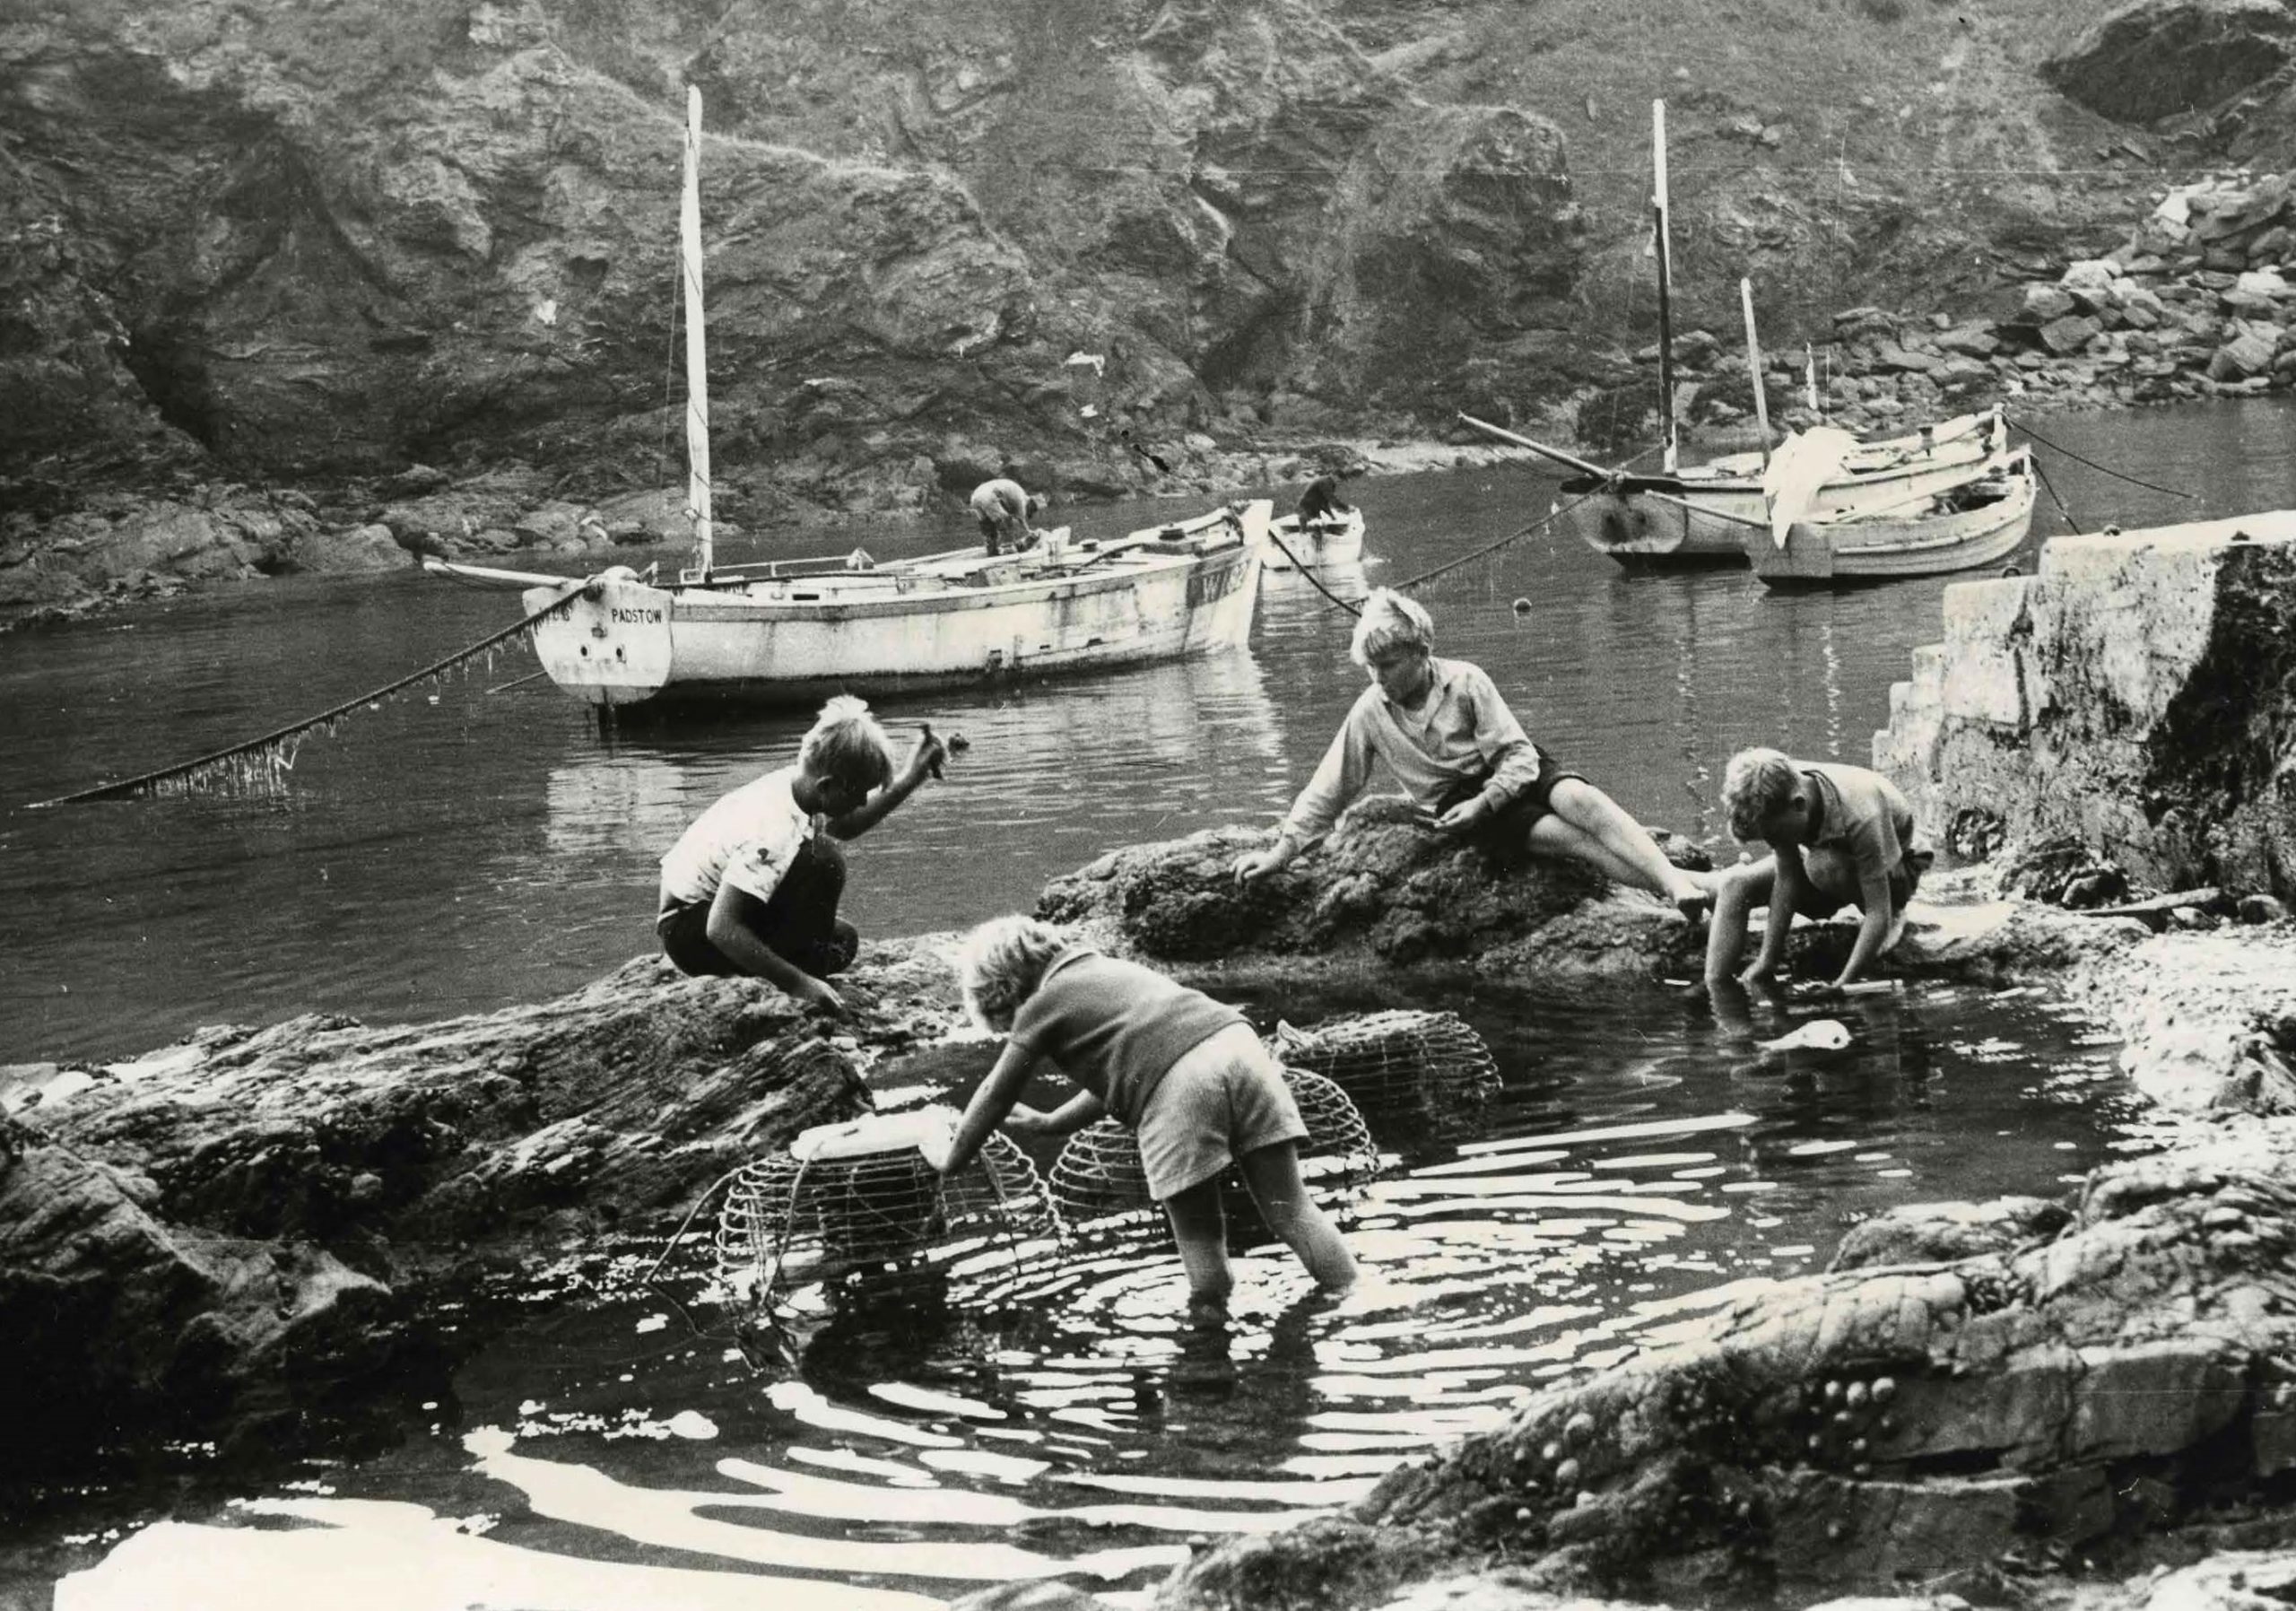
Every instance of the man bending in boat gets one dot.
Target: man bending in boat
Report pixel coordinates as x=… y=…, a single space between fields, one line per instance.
x=1322 y=502
x=1004 y=508
x=1445 y=734
x=752 y=887
x=1838 y=835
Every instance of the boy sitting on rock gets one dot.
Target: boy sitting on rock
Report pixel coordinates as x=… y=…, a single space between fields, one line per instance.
x=1181 y=1070
x=1838 y=835
x=1442 y=730
x=753 y=886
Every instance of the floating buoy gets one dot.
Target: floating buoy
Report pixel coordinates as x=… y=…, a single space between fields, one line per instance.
x=1522 y=606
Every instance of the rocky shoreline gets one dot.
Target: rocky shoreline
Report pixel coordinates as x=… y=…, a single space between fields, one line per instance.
x=2190 y=305
x=2014 y=1403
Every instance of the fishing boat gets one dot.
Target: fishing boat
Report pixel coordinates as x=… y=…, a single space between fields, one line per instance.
x=1334 y=539
x=1977 y=523
x=1704 y=514
x=791 y=631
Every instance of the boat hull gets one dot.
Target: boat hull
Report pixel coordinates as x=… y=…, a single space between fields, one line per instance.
x=1711 y=519
x=1317 y=545
x=1821 y=554
x=624 y=644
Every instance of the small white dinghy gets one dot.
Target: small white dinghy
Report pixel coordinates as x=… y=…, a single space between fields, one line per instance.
x=1326 y=541
x=1976 y=524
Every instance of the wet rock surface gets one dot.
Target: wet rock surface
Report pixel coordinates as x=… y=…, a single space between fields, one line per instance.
x=1968 y=1392
x=2133 y=705
x=1385 y=891
x=255 y=1222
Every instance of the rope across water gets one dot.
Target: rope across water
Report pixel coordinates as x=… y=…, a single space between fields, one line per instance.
x=274 y=751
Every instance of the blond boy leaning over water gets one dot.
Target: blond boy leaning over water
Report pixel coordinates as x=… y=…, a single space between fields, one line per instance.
x=1184 y=1072
x=1838 y=835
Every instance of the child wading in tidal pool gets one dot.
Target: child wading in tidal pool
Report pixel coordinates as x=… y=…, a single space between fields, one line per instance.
x=1183 y=1071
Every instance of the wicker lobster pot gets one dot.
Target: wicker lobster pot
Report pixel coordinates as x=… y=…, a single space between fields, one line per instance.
x=1097 y=1173
x=1413 y=1068
x=863 y=1199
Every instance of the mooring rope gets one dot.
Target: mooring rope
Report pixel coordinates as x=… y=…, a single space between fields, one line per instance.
x=2134 y=481
x=2049 y=486
x=1300 y=566
x=1552 y=516
x=274 y=753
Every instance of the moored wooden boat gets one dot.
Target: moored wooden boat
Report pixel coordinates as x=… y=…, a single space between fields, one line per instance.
x=1977 y=523
x=788 y=632
x=792 y=633
x=1705 y=514
x=1709 y=514
x=1327 y=540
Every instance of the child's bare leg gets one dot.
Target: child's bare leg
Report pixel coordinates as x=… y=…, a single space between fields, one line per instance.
x=1200 y=1230
x=1735 y=898
x=1596 y=829
x=1272 y=1174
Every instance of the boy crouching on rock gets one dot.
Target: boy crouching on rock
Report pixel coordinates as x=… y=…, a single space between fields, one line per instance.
x=1838 y=834
x=1183 y=1071
x=753 y=886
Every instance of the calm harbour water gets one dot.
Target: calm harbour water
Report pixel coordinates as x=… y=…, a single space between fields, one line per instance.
x=435 y=858
x=485 y=848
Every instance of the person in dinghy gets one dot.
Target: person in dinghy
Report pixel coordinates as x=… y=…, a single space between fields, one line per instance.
x=752 y=887
x=1444 y=731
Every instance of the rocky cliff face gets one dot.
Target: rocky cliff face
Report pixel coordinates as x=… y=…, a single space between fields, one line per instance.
x=2135 y=699
x=339 y=238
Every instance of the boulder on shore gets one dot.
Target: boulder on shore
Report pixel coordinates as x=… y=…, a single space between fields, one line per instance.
x=1386 y=892
x=251 y=1222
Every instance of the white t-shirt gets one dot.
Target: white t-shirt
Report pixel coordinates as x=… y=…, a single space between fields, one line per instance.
x=747 y=839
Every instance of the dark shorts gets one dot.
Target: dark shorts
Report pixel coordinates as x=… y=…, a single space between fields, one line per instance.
x=799 y=922
x=1904 y=879
x=1508 y=828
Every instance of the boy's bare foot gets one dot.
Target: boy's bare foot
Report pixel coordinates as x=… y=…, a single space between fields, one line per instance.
x=1204 y=1313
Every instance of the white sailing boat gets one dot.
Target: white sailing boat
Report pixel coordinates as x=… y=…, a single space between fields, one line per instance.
x=790 y=631
x=1707 y=514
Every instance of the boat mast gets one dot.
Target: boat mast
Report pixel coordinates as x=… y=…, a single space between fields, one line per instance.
x=697 y=347
x=1666 y=288
x=1754 y=364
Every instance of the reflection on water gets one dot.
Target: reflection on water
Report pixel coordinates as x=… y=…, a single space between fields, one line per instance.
x=1057 y=1416
x=490 y=847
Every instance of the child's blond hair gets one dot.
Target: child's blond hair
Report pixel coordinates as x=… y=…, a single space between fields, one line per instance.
x=1757 y=786
x=1001 y=962
x=847 y=744
x=1391 y=622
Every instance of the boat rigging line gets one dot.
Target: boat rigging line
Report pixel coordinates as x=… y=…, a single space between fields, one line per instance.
x=2106 y=469
x=260 y=761
x=2071 y=525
